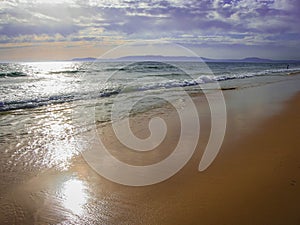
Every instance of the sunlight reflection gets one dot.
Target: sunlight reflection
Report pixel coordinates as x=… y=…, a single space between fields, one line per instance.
x=48 y=67
x=74 y=195
x=57 y=132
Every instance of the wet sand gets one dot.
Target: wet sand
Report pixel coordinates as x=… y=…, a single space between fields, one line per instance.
x=254 y=179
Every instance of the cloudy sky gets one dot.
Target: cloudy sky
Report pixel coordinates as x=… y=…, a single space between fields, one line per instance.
x=63 y=29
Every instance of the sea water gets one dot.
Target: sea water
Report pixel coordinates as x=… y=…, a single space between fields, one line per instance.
x=38 y=101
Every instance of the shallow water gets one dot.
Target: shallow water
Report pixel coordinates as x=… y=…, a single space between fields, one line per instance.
x=42 y=103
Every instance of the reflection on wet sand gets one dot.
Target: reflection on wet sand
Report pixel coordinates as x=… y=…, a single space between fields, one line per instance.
x=74 y=196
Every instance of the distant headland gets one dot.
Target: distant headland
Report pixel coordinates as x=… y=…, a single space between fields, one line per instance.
x=183 y=59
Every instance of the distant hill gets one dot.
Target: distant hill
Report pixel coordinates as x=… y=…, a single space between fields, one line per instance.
x=183 y=59
x=84 y=59
x=255 y=59
x=158 y=58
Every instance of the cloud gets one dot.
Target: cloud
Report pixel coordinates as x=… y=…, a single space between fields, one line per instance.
x=247 y=22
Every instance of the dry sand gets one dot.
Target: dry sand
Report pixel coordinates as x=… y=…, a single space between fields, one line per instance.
x=255 y=179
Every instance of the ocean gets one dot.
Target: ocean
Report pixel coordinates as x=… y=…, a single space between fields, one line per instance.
x=31 y=85
x=38 y=101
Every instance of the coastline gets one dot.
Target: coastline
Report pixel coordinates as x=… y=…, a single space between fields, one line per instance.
x=254 y=179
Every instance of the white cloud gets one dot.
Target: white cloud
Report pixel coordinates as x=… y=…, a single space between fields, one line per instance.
x=245 y=22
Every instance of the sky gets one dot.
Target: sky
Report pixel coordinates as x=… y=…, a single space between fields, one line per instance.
x=65 y=29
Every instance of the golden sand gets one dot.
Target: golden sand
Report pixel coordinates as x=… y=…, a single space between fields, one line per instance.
x=254 y=179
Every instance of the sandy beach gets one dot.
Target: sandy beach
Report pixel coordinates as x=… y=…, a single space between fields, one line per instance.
x=254 y=179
